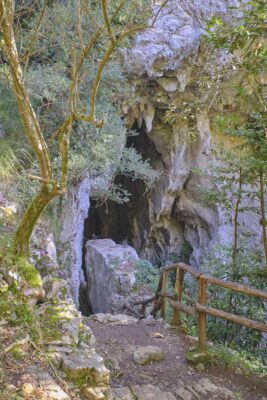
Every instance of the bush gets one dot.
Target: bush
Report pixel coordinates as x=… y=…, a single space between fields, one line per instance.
x=147 y=275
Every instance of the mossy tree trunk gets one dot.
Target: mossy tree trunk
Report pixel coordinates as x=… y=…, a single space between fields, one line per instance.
x=49 y=187
x=30 y=218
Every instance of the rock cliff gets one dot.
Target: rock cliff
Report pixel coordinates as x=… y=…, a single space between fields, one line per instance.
x=181 y=87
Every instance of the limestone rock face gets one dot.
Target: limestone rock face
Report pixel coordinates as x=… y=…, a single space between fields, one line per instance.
x=69 y=343
x=38 y=378
x=150 y=392
x=75 y=210
x=176 y=104
x=122 y=393
x=79 y=366
x=72 y=214
x=143 y=392
x=118 y=319
x=176 y=36
x=110 y=272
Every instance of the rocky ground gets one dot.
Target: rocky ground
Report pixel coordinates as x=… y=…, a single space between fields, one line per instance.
x=48 y=350
x=147 y=361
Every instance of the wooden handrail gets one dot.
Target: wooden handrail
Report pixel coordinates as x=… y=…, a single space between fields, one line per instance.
x=200 y=307
x=232 y=317
x=237 y=287
x=177 y=305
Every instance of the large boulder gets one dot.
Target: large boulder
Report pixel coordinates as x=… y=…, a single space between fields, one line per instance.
x=110 y=269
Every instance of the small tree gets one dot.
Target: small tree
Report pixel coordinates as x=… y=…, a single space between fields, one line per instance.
x=106 y=26
x=240 y=176
x=246 y=42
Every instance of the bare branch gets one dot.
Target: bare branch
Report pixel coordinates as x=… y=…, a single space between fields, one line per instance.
x=98 y=78
x=40 y=179
x=107 y=21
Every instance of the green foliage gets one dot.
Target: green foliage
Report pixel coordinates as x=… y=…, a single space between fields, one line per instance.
x=131 y=164
x=254 y=140
x=247 y=39
x=185 y=113
x=18 y=266
x=28 y=272
x=16 y=311
x=93 y=151
x=250 y=273
x=242 y=362
x=8 y=161
x=9 y=115
x=147 y=275
x=183 y=254
x=235 y=177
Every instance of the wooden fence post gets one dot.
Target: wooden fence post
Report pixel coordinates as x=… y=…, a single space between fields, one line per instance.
x=176 y=320
x=202 y=329
x=164 y=289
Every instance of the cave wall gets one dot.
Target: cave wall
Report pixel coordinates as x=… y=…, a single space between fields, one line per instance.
x=158 y=222
x=174 y=104
x=72 y=211
x=173 y=108
x=177 y=99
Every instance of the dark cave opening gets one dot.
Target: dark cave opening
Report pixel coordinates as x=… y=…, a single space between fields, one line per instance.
x=125 y=222
x=121 y=222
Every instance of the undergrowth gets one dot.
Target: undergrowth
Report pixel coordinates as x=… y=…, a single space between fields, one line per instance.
x=240 y=362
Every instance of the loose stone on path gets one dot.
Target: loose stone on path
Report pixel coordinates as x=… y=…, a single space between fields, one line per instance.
x=146 y=354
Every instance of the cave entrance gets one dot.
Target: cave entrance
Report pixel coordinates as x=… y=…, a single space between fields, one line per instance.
x=123 y=223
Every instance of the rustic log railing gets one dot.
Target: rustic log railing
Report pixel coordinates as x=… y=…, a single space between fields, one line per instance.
x=200 y=308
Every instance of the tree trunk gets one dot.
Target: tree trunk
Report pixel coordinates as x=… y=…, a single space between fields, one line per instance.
x=263 y=216
x=236 y=213
x=30 y=218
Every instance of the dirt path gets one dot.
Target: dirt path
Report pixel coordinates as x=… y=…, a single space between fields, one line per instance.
x=117 y=343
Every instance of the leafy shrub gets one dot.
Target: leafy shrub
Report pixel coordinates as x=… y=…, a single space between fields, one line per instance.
x=147 y=275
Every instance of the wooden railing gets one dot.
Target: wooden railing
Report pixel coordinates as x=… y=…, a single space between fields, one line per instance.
x=200 y=308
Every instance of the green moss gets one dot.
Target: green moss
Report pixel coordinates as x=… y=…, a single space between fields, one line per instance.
x=239 y=361
x=55 y=315
x=17 y=352
x=50 y=335
x=197 y=356
x=29 y=272
x=242 y=362
x=24 y=314
x=4 y=306
x=84 y=380
x=3 y=287
x=84 y=335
